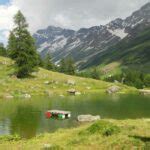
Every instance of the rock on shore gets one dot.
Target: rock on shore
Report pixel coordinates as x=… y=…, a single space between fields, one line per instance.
x=113 y=89
x=144 y=92
x=88 y=118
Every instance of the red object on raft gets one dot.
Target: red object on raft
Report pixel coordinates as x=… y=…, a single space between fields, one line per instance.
x=58 y=114
x=48 y=115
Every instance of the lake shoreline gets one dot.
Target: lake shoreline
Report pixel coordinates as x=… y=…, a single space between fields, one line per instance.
x=130 y=135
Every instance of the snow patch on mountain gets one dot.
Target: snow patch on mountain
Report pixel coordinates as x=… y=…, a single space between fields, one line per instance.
x=133 y=25
x=58 y=45
x=41 y=35
x=43 y=46
x=75 y=44
x=118 y=32
x=59 y=37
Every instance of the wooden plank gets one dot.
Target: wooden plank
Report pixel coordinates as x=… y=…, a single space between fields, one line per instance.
x=59 y=112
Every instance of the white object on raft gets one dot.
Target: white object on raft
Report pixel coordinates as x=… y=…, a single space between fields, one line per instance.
x=58 y=114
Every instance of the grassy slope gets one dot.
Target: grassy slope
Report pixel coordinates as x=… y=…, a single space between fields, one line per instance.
x=36 y=85
x=132 y=135
x=107 y=69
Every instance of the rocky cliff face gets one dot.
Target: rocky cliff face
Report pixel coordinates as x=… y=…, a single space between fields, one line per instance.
x=86 y=43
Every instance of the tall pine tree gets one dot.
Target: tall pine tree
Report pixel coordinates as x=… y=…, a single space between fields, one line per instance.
x=22 y=48
x=48 y=64
x=70 y=67
x=62 y=67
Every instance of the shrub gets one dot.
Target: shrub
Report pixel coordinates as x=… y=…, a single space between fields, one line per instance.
x=132 y=78
x=10 y=138
x=104 y=128
x=147 y=80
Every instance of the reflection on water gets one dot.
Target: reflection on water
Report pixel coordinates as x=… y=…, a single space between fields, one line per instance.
x=26 y=117
x=25 y=120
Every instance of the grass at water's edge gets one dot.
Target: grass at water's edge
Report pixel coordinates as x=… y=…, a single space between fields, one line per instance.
x=37 y=85
x=103 y=134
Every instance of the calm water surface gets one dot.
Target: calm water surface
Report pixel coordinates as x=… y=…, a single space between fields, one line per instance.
x=26 y=117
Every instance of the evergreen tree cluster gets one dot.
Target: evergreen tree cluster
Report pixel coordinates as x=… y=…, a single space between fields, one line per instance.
x=132 y=78
x=67 y=66
x=93 y=73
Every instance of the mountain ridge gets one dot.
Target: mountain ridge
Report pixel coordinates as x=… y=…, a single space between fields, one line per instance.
x=86 y=43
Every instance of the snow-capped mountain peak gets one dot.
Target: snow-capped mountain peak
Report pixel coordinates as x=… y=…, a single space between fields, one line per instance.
x=85 y=43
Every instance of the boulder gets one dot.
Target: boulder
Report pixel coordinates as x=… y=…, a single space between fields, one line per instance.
x=88 y=118
x=73 y=92
x=71 y=82
x=14 y=77
x=47 y=82
x=88 y=88
x=4 y=63
x=115 y=81
x=8 y=96
x=47 y=146
x=51 y=147
x=49 y=93
x=61 y=95
x=144 y=92
x=34 y=73
x=77 y=93
x=51 y=82
x=113 y=89
x=56 y=82
x=27 y=96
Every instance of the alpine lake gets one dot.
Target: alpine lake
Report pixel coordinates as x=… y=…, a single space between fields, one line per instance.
x=26 y=117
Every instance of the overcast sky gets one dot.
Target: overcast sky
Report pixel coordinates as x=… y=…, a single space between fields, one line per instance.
x=72 y=14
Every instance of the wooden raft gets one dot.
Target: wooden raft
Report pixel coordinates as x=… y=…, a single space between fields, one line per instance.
x=59 y=114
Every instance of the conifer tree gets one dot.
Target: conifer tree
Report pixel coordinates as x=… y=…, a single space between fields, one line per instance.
x=48 y=64
x=12 y=46
x=95 y=74
x=2 y=50
x=22 y=48
x=70 y=67
x=40 y=61
x=62 y=66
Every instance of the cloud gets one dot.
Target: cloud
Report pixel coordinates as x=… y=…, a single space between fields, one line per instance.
x=75 y=13
x=4 y=36
x=6 y=16
x=72 y=14
x=6 y=20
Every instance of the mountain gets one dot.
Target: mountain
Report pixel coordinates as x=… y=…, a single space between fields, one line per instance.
x=80 y=44
x=132 y=52
x=87 y=43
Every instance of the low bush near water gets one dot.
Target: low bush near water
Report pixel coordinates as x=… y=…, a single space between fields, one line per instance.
x=10 y=138
x=102 y=127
